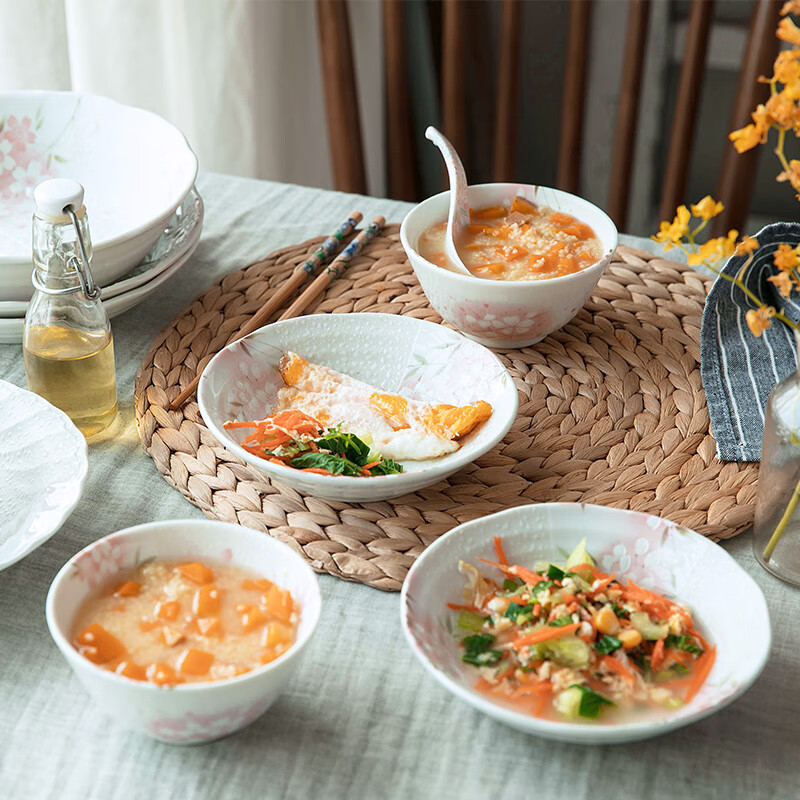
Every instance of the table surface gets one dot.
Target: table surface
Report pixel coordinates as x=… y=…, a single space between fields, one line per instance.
x=360 y=719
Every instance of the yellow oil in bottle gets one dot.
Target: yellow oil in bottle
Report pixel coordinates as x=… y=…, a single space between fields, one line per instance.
x=73 y=370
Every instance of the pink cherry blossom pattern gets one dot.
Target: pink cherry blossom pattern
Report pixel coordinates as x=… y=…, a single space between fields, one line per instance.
x=191 y=727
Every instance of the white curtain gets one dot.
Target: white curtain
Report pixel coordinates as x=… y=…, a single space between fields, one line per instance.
x=240 y=78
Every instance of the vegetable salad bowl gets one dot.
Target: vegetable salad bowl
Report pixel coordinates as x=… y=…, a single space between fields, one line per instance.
x=418 y=359
x=654 y=553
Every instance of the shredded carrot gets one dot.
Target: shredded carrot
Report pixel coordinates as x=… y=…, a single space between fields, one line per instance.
x=680 y=657
x=658 y=655
x=371 y=464
x=501 y=556
x=510 y=671
x=544 y=634
x=618 y=667
x=595 y=573
x=541 y=705
x=317 y=470
x=519 y=572
x=701 y=670
x=603 y=585
x=457 y=607
x=229 y=426
x=537 y=609
x=545 y=687
x=569 y=598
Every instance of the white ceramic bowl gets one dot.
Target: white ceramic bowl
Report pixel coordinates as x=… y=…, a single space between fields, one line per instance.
x=43 y=466
x=192 y=712
x=398 y=354
x=655 y=553
x=136 y=169
x=506 y=313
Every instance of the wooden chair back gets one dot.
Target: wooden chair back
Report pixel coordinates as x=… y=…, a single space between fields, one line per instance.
x=737 y=174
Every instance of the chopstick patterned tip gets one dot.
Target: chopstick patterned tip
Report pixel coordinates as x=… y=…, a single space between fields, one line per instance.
x=329 y=246
x=335 y=268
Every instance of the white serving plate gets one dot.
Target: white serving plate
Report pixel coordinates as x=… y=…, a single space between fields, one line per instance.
x=188 y=713
x=136 y=169
x=43 y=466
x=395 y=353
x=170 y=254
x=657 y=554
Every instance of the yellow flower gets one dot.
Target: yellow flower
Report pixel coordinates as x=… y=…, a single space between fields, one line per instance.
x=714 y=250
x=790 y=7
x=785 y=258
x=782 y=109
x=787 y=67
x=746 y=138
x=788 y=31
x=747 y=245
x=783 y=282
x=758 y=320
x=707 y=208
x=671 y=233
x=793 y=174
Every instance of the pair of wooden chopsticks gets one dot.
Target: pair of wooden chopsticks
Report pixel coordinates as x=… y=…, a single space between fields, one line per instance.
x=297 y=279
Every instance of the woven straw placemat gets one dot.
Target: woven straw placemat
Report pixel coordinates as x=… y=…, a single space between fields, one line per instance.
x=612 y=412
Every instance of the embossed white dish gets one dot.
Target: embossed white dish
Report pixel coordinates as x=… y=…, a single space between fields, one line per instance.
x=653 y=552
x=43 y=465
x=192 y=712
x=419 y=359
x=171 y=252
x=135 y=166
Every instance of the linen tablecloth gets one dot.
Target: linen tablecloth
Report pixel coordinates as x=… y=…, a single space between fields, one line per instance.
x=360 y=718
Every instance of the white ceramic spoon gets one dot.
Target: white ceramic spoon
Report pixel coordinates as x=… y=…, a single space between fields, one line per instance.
x=458 y=218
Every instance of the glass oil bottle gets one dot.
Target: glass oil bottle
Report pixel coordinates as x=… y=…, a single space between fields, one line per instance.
x=67 y=344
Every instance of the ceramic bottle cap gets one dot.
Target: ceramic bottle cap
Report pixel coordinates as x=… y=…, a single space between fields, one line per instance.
x=53 y=195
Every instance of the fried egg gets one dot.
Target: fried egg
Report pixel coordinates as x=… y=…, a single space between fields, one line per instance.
x=398 y=427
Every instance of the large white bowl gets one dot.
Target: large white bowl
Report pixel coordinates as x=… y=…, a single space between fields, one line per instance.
x=506 y=313
x=136 y=169
x=655 y=553
x=43 y=466
x=192 y=712
x=398 y=354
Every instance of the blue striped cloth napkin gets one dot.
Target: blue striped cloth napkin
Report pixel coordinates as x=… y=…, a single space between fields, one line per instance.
x=738 y=369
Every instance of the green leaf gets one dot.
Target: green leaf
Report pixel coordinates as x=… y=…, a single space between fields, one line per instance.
x=515 y=611
x=591 y=702
x=387 y=466
x=561 y=621
x=333 y=463
x=477 y=642
x=60 y=159
x=619 y=611
x=347 y=445
x=607 y=644
x=555 y=573
x=540 y=587
x=485 y=659
x=510 y=585
x=683 y=643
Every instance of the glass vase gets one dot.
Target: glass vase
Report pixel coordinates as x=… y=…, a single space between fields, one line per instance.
x=776 y=532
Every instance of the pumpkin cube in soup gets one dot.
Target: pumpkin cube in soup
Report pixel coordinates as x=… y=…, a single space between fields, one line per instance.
x=194 y=662
x=276 y=634
x=259 y=585
x=490 y=212
x=205 y=602
x=162 y=674
x=252 y=618
x=208 y=626
x=278 y=604
x=98 y=645
x=129 y=669
x=523 y=206
x=196 y=573
x=128 y=589
x=167 y=609
x=171 y=636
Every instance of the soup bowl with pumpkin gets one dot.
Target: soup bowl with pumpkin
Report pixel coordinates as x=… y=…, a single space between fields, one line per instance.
x=534 y=255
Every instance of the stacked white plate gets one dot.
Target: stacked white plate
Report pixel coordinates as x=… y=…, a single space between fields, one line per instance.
x=138 y=173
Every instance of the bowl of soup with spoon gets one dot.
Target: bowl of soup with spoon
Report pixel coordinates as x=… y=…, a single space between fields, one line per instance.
x=534 y=255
